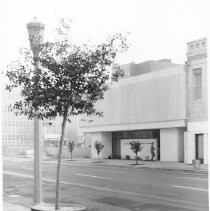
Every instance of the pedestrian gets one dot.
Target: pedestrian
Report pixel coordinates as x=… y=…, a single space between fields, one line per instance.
x=152 y=150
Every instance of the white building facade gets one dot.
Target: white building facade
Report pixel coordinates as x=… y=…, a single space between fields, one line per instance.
x=196 y=136
x=151 y=105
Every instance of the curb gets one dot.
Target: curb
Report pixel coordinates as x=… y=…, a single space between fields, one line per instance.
x=204 y=172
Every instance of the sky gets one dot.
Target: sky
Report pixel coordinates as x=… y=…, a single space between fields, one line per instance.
x=158 y=28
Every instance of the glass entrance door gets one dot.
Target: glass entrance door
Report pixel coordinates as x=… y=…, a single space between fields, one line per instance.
x=199 y=147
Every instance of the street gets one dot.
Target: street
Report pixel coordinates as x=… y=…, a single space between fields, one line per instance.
x=107 y=188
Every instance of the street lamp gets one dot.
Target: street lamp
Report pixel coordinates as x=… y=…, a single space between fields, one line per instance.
x=35 y=32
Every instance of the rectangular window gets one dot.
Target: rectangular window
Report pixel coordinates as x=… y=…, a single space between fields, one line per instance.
x=197 y=45
x=197 y=82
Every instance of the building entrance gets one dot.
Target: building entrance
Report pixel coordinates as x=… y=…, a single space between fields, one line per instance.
x=199 y=147
x=137 y=134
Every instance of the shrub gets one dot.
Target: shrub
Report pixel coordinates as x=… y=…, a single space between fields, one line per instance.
x=127 y=157
x=98 y=146
x=139 y=158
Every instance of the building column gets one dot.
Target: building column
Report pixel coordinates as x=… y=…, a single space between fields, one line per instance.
x=107 y=142
x=189 y=147
x=205 y=137
x=172 y=144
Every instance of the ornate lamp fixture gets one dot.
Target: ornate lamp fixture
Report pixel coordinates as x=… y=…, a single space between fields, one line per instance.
x=35 y=32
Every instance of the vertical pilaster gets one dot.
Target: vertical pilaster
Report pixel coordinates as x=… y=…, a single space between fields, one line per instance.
x=189 y=147
x=205 y=137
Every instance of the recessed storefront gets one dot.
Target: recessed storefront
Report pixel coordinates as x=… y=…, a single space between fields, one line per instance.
x=121 y=140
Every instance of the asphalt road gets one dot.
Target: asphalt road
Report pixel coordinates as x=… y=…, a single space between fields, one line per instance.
x=108 y=188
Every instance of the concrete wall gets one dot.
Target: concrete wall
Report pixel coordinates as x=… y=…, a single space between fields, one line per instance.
x=189 y=147
x=155 y=97
x=145 y=152
x=107 y=142
x=172 y=144
x=150 y=66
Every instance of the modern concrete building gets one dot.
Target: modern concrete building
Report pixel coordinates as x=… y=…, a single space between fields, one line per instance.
x=16 y=130
x=154 y=103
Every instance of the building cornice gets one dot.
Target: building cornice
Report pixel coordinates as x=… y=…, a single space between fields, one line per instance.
x=196 y=57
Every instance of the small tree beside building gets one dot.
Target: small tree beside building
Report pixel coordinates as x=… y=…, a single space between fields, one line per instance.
x=99 y=147
x=136 y=147
x=71 y=147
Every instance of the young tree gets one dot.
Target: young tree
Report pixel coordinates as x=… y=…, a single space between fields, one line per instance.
x=71 y=147
x=98 y=146
x=136 y=147
x=68 y=81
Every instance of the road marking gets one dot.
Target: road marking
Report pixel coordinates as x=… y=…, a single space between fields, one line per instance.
x=184 y=187
x=67 y=164
x=111 y=171
x=87 y=175
x=13 y=195
x=93 y=187
x=193 y=178
x=170 y=194
x=29 y=168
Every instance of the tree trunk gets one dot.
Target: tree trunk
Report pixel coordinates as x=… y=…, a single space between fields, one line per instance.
x=57 y=199
x=136 y=159
x=71 y=155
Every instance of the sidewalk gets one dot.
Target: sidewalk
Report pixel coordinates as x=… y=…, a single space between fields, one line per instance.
x=156 y=165
x=14 y=207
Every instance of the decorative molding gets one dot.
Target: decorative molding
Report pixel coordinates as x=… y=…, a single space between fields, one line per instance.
x=197 y=57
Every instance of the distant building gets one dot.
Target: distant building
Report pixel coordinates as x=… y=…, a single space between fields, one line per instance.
x=155 y=102
x=18 y=131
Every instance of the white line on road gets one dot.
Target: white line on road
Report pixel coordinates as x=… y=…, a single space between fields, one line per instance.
x=29 y=168
x=111 y=171
x=170 y=194
x=64 y=164
x=193 y=178
x=93 y=187
x=87 y=175
x=184 y=187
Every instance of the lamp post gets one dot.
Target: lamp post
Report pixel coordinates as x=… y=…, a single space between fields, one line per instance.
x=35 y=32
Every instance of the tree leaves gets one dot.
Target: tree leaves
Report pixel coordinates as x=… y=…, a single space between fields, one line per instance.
x=98 y=146
x=65 y=76
x=136 y=146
